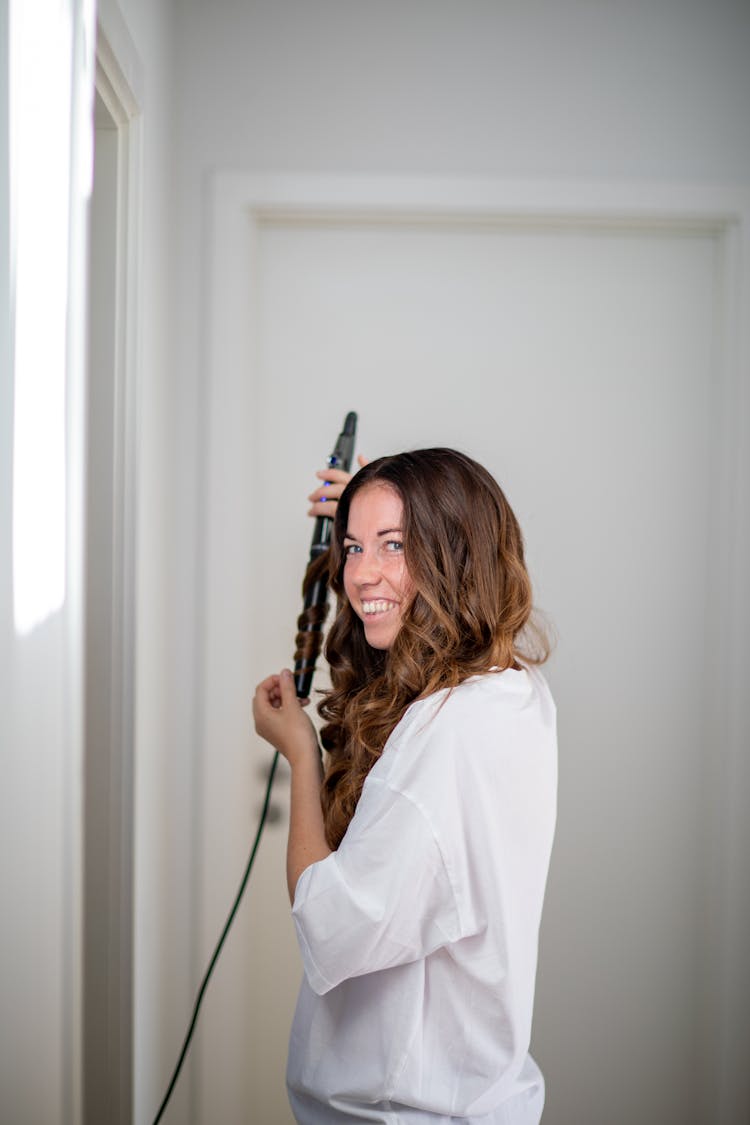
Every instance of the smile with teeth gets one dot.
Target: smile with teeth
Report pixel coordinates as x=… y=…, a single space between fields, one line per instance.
x=379 y=606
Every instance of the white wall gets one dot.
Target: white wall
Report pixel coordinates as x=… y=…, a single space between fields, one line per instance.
x=41 y=662
x=645 y=91
x=518 y=88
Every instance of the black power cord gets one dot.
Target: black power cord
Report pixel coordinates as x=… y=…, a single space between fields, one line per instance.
x=217 y=951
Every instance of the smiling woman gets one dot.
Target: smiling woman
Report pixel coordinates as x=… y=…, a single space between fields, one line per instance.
x=418 y=857
x=376 y=579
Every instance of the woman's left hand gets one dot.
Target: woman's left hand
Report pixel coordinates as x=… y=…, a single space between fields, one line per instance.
x=324 y=500
x=279 y=718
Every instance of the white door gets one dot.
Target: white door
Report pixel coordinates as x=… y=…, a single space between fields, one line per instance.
x=580 y=365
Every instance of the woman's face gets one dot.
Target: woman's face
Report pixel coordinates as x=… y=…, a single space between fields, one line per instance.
x=376 y=580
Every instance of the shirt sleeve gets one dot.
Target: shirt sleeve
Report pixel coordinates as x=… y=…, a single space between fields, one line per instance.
x=385 y=898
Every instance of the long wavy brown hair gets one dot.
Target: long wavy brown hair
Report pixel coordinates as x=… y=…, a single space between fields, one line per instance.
x=471 y=612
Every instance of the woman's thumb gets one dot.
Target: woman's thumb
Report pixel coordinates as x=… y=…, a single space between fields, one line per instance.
x=286 y=682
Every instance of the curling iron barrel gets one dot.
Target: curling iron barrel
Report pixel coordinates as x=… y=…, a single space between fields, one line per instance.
x=315 y=585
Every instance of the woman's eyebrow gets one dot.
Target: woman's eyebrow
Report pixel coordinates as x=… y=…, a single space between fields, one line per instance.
x=386 y=531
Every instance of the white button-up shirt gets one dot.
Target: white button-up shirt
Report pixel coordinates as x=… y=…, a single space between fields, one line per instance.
x=419 y=935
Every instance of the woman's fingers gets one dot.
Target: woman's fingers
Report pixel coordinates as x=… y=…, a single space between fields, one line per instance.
x=334 y=483
x=279 y=718
x=327 y=491
x=336 y=476
x=324 y=498
x=267 y=695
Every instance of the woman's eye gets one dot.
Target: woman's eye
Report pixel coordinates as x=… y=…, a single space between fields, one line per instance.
x=394 y=545
x=351 y=548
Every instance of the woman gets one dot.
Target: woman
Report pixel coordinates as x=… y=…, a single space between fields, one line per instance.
x=417 y=859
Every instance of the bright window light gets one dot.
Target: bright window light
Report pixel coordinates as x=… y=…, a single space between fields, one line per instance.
x=40 y=141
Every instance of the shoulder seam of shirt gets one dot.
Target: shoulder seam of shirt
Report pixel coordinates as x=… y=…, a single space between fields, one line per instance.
x=428 y=821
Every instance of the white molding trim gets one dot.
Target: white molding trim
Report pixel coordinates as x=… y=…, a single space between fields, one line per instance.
x=112 y=85
x=119 y=58
x=119 y=82
x=240 y=203
x=506 y=201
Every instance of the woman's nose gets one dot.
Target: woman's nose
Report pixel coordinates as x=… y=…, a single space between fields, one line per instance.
x=367 y=569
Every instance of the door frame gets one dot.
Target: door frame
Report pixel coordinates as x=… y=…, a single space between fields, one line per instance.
x=108 y=841
x=238 y=206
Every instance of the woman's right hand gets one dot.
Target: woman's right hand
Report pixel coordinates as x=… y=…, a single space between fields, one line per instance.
x=324 y=500
x=280 y=720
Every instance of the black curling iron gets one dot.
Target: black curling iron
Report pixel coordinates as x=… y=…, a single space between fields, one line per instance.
x=315 y=585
